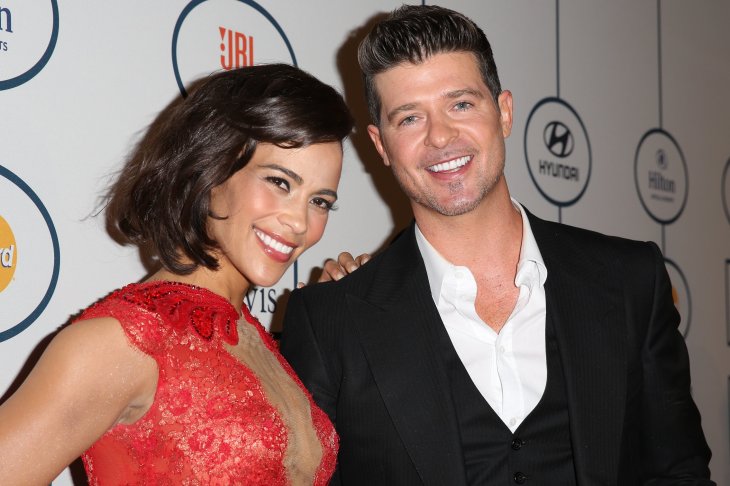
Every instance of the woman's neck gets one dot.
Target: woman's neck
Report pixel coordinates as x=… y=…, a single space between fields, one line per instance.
x=214 y=280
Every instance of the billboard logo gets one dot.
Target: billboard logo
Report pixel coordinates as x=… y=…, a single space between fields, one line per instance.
x=28 y=36
x=557 y=151
x=236 y=49
x=26 y=289
x=8 y=254
x=661 y=176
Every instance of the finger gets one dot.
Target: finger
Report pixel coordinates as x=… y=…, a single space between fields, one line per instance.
x=331 y=271
x=363 y=259
x=300 y=285
x=347 y=262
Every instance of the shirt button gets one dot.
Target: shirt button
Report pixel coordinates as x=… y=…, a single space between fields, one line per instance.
x=517 y=444
x=520 y=478
x=501 y=349
x=512 y=422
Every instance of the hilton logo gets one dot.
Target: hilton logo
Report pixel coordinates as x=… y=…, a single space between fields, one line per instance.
x=236 y=49
x=656 y=179
x=661 y=176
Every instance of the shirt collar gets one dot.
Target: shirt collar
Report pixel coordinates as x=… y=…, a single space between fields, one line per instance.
x=437 y=265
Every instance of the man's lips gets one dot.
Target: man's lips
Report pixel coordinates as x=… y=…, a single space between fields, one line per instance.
x=450 y=166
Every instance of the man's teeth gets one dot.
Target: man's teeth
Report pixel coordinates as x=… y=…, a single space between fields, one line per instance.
x=450 y=165
x=272 y=243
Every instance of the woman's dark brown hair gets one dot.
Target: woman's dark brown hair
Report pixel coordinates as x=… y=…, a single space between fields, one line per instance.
x=162 y=194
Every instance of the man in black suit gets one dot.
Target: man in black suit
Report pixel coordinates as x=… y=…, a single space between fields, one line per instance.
x=485 y=345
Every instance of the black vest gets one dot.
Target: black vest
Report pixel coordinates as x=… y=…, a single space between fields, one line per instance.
x=538 y=453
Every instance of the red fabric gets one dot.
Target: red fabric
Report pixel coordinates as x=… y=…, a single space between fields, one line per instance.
x=210 y=422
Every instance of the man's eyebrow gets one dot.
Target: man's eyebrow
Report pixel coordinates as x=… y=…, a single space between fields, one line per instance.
x=407 y=107
x=297 y=178
x=461 y=92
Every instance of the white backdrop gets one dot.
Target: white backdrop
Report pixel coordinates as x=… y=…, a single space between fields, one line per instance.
x=636 y=92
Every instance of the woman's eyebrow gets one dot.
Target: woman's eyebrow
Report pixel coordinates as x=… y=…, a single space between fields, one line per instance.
x=297 y=178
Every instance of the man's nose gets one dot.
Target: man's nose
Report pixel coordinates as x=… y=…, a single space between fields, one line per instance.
x=441 y=131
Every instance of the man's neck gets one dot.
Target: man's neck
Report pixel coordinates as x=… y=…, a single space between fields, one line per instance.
x=490 y=236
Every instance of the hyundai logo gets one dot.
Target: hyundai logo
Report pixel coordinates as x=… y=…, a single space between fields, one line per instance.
x=558 y=139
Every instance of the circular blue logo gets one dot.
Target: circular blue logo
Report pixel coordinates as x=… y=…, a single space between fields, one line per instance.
x=210 y=46
x=35 y=311
x=660 y=174
x=557 y=151
x=21 y=25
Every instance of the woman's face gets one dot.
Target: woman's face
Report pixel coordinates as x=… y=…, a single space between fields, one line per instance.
x=275 y=208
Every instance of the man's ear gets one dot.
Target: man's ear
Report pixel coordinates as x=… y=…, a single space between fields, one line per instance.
x=374 y=133
x=505 y=112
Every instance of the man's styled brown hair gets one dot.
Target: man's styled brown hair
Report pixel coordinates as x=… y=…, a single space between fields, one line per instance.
x=413 y=33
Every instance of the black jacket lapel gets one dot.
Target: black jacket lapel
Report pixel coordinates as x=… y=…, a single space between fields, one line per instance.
x=393 y=322
x=585 y=308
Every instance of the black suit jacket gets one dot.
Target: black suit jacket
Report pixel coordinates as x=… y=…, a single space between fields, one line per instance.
x=362 y=347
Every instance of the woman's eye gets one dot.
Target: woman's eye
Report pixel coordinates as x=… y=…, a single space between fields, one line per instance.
x=323 y=203
x=279 y=182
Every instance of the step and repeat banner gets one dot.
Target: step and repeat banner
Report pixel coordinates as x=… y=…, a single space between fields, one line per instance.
x=621 y=126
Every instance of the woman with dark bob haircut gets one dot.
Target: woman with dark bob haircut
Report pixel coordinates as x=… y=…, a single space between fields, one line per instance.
x=172 y=381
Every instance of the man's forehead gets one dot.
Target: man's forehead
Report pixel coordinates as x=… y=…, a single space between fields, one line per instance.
x=443 y=82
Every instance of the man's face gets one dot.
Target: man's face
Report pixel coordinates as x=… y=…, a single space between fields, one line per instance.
x=441 y=132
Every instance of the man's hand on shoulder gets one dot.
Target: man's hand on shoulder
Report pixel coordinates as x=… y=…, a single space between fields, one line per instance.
x=336 y=269
x=345 y=263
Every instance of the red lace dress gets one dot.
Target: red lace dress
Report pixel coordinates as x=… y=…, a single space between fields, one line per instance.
x=228 y=409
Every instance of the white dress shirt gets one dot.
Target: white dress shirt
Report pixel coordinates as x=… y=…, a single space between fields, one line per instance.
x=508 y=368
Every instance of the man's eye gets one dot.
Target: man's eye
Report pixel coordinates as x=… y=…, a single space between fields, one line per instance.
x=463 y=105
x=279 y=182
x=409 y=120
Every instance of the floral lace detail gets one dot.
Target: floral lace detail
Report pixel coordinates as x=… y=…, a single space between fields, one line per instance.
x=210 y=422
